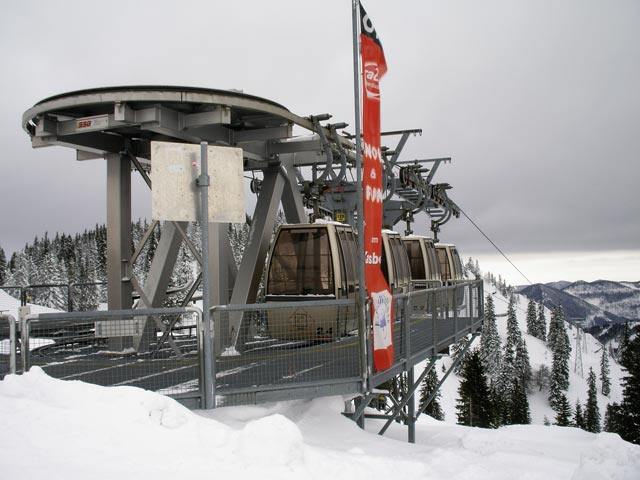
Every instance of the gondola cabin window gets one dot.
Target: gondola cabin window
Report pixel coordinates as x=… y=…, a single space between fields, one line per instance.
x=416 y=260
x=457 y=262
x=301 y=263
x=445 y=269
x=401 y=261
x=432 y=260
x=349 y=251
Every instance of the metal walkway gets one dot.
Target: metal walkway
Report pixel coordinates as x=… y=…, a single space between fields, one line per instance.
x=66 y=347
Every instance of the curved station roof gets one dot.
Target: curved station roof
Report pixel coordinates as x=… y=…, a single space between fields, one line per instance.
x=109 y=120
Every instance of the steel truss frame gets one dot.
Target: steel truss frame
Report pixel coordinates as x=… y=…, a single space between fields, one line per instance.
x=119 y=123
x=404 y=411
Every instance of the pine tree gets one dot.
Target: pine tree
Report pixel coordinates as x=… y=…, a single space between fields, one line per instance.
x=500 y=409
x=52 y=272
x=474 y=404
x=554 y=326
x=591 y=411
x=605 y=372
x=429 y=384
x=558 y=342
x=504 y=388
x=563 y=413
x=3 y=267
x=612 y=418
x=542 y=323
x=455 y=352
x=624 y=351
x=490 y=343
x=101 y=252
x=514 y=335
x=519 y=408
x=629 y=418
x=532 y=319
x=578 y=418
x=522 y=364
x=86 y=295
x=516 y=373
x=559 y=381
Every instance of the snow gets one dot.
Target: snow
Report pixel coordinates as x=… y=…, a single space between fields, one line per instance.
x=73 y=430
x=230 y=352
x=539 y=354
x=10 y=305
x=322 y=221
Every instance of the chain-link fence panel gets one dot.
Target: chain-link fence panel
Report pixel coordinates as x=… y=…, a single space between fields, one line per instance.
x=287 y=345
x=155 y=349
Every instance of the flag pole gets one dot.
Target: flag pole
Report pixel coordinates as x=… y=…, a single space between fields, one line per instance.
x=362 y=293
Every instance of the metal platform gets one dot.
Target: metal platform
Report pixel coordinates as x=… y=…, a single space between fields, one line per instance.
x=68 y=346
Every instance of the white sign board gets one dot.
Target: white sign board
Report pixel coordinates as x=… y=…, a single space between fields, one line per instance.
x=175 y=195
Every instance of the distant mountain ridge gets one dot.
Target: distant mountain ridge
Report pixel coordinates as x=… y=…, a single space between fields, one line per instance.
x=558 y=285
x=599 y=303
x=615 y=297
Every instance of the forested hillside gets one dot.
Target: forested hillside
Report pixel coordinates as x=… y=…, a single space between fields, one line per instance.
x=79 y=263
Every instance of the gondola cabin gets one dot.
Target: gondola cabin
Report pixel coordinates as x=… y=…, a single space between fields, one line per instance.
x=425 y=270
x=450 y=264
x=318 y=261
x=395 y=263
x=451 y=271
x=311 y=262
x=423 y=261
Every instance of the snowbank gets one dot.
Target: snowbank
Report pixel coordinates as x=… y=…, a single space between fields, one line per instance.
x=72 y=430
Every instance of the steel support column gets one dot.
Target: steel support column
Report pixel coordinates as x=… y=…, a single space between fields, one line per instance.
x=223 y=275
x=118 y=238
x=411 y=410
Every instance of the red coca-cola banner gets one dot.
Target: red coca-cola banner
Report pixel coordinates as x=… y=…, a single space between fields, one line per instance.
x=373 y=68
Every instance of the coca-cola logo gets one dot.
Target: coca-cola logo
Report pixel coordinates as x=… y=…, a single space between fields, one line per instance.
x=371 y=80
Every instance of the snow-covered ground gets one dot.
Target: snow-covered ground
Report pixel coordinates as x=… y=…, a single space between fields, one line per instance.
x=10 y=305
x=539 y=354
x=72 y=430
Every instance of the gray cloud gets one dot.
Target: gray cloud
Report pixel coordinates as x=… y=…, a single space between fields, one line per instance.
x=537 y=102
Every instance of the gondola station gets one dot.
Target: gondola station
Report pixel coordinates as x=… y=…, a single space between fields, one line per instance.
x=324 y=298
x=292 y=320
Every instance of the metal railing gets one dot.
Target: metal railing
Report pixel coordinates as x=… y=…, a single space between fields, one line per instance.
x=8 y=345
x=288 y=349
x=428 y=321
x=120 y=347
x=294 y=350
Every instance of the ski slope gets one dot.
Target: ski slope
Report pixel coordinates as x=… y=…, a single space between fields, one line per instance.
x=539 y=354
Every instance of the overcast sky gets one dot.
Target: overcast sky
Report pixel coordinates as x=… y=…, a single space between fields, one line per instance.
x=537 y=102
